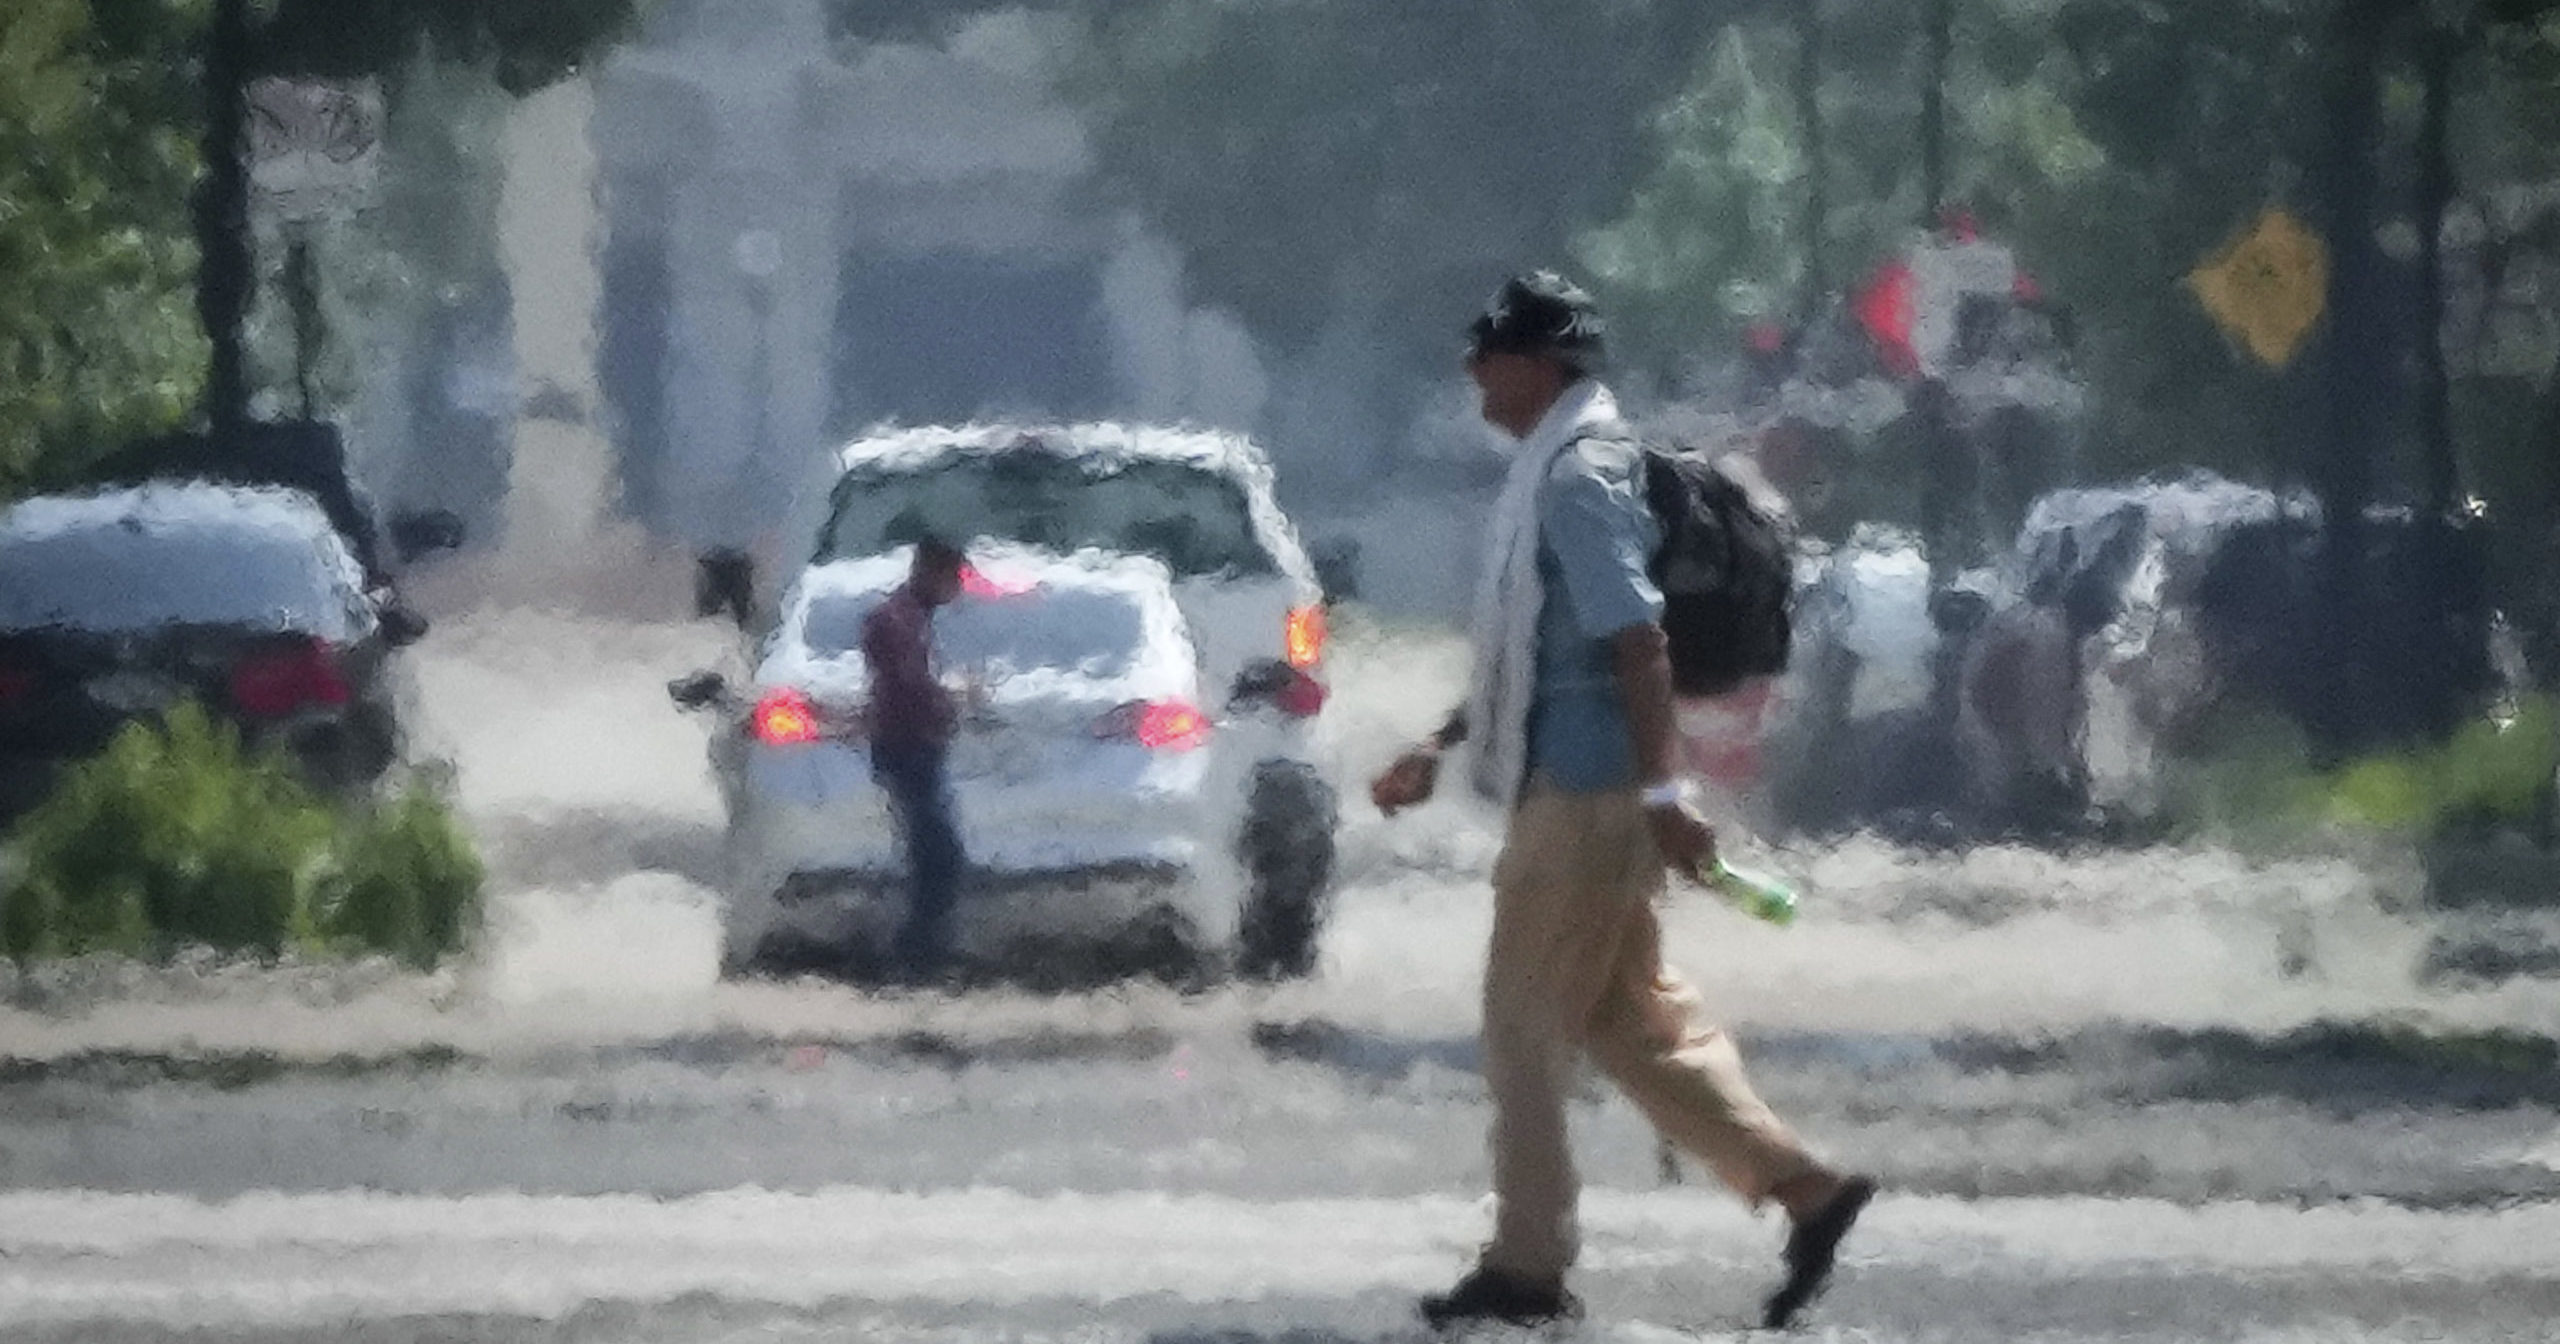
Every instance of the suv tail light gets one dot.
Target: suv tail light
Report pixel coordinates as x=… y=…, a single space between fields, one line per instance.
x=272 y=683
x=1157 y=725
x=979 y=583
x=1304 y=635
x=785 y=717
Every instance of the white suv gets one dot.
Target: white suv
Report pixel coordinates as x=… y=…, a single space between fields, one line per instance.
x=1197 y=509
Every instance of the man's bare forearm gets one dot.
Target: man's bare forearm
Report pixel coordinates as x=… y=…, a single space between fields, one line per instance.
x=1641 y=657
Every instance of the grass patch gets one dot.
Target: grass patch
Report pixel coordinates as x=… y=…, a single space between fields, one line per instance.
x=179 y=835
x=2259 y=787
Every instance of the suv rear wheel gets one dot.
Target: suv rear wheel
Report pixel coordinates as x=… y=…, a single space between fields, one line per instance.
x=1288 y=860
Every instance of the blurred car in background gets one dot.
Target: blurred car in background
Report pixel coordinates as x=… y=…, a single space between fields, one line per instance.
x=307 y=457
x=114 y=606
x=1202 y=506
x=1097 y=782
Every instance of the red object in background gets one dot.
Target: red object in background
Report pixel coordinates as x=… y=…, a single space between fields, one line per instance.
x=16 y=683
x=1885 y=309
x=1958 y=224
x=1765 y=338
x=785 y=718
x=2025 y=289
x=273 y=683
x=1302 y=698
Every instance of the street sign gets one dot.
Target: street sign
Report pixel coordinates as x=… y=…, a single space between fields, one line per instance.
x=315 y=145
x=2268 y=287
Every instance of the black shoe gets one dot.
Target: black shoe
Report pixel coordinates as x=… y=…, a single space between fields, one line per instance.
x=1811 y=1249
x=1490 y=1295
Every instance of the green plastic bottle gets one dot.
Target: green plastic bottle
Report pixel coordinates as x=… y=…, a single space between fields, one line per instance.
x=1755 y=894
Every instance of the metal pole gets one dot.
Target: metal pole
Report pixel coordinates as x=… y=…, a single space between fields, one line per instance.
x=302 y=294
x=1817 y=204
x=226 y=268
x=2356 y=368
x=2435 y=197
x=1933 y=111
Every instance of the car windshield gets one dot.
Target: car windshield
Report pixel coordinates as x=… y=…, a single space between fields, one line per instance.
x=1084 y=632
x=1193 y=520
x=115 y=580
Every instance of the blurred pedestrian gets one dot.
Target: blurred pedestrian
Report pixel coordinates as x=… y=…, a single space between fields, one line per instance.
x=912 y=719
x=1571 y=728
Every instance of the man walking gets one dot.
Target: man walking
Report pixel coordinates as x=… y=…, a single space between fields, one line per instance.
x=1571 y=722
x=912 y=717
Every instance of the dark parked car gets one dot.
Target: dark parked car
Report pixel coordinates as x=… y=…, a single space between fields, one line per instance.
x=116 y=605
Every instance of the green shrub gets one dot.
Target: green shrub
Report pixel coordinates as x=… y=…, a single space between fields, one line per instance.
x=2499 y=771
x=175 y=834
x=2255 y=787
x=409 y=881
x=2260 y=784
x=179 y=835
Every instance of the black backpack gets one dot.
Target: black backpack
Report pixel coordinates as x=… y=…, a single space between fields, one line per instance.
x=1726 y=568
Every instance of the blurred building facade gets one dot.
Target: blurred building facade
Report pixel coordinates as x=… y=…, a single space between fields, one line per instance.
x=806 y=236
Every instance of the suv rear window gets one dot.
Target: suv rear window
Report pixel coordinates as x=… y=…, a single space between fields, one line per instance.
x=111 y=580
x=1193 y=520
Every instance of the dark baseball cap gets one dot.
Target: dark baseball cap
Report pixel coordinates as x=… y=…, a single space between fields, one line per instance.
x=1539 y=313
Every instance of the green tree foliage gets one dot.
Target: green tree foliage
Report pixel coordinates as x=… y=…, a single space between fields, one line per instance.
x=176 y=834
x=101 y=117
x=97 y=154
x=2117 y=143
x=1709 y=239
x=1317 y=158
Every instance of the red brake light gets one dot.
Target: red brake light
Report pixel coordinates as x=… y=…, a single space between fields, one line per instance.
x=978 y=583
x=785 y=718
x=1158 y=725
x=1170 y=725
x=275 y=682
x=1304 y=636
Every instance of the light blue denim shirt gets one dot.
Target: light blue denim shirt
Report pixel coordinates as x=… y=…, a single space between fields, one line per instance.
x=1595 y=533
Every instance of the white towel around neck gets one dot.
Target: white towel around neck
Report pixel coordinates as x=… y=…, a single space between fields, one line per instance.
x=1509 y=595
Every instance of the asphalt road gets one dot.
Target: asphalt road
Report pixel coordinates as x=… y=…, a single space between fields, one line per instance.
x=2154 y=1096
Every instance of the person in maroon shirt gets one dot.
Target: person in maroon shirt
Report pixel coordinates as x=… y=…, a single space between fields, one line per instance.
x=912 y=717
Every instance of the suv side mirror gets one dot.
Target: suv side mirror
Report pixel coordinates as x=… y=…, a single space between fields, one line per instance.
x=418 y=532
x=402 y=626
x=699 y=691
x=1337 y=566
x=724 y=583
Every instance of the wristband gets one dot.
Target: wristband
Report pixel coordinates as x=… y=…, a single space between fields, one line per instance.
x=1671 y=794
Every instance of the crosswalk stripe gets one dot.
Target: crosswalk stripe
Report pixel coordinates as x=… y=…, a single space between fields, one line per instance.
x=278 y=1259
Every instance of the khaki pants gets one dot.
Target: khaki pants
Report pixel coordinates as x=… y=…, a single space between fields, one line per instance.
x=1576 y=968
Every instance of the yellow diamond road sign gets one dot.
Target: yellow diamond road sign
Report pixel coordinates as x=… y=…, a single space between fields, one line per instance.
x=2267 y=287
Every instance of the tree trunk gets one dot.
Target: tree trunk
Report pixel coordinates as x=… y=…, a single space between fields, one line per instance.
x=2357 y=369
x=1817 y=200
x=1933 y=112
x=2435 y=197
x=226 y=269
